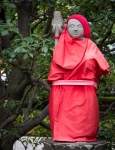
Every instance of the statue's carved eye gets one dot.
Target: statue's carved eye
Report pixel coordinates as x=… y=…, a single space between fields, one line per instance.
x=79 y=25
x=71 y=26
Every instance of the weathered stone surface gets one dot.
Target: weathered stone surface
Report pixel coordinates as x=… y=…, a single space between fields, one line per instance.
x=51 y=145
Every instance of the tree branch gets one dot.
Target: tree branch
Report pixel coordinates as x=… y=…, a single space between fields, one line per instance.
x=40 y=21
x=11 y=118
x=106 y=36
x=47 y=126
x=28 y=125
x=50 y=16
x=109 y=51
x=110 y=42
x=46 y=86
x=107 y=111
x=28 y=110
x=39 y=104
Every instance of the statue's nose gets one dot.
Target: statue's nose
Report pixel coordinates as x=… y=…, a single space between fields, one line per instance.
x=75 y=28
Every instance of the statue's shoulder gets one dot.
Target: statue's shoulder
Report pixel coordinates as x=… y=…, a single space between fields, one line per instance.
x=91 y=43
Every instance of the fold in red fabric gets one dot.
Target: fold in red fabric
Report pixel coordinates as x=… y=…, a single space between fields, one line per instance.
x=65 y=52
x=73 y=109
x=69 y=52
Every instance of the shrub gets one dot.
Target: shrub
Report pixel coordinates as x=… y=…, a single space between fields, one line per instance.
x=107 y=130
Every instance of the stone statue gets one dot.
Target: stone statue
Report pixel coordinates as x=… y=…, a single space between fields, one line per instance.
x=76 y=67
x=57 y=25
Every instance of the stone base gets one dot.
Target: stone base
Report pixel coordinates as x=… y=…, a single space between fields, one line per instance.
x=51 y=145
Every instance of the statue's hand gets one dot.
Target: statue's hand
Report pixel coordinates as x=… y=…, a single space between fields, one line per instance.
x=57 y=23
x=56 y=29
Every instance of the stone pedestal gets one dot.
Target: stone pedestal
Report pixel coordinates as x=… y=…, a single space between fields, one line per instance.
x=51 y=145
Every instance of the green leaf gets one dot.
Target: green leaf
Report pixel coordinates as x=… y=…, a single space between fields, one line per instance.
x=2 y=26
x=45 y=49
x=31 y=55
x=17 y=49
x=23 y=49
x=25 y=56
x=15 y=29
x=3 y=132
x=51 y=4
x=12 y=55
x=95 y=34
x=10 y=60
x=30 y=141
x=36 y=45
x=30 y=39
x=24 y=43
x=5 y=32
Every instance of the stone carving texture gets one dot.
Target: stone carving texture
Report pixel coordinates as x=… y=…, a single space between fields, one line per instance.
x=51 y=145
x=57 y=22
x=57 y=25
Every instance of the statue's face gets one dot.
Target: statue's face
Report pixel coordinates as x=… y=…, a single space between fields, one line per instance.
x=75 y=29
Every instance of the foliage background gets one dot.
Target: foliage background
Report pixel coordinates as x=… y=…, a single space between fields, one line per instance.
x=26 y=46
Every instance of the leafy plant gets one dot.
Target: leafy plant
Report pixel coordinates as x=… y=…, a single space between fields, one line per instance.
x=107 y=130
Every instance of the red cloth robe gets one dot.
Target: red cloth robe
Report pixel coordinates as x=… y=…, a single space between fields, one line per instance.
x=74 y=110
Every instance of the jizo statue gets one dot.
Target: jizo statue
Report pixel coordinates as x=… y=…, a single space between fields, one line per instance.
x=76 y=67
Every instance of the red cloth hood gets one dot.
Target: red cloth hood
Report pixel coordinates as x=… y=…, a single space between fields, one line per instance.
x=69 y=52
x=84 y=23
